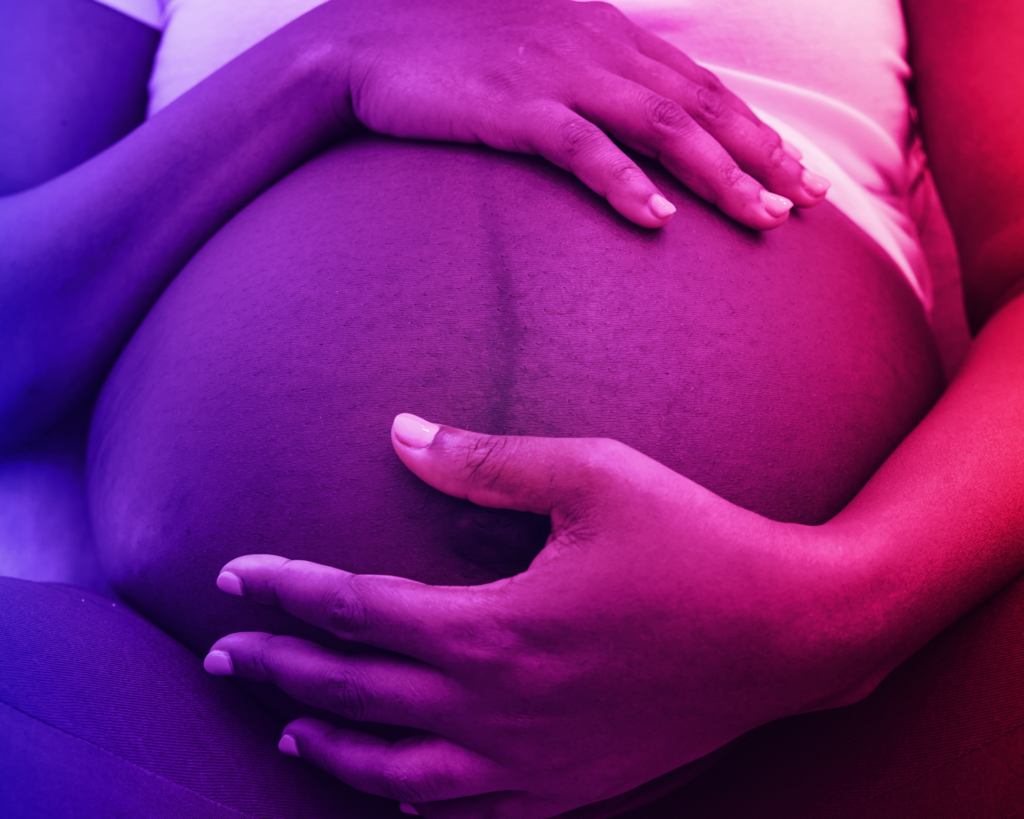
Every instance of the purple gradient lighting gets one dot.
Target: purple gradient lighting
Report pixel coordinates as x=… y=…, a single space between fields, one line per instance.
x=699 y=498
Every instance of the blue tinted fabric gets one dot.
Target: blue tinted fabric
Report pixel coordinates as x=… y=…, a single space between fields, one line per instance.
x=102 y=714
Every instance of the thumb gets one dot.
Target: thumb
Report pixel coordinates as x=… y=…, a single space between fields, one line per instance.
x=539 y=475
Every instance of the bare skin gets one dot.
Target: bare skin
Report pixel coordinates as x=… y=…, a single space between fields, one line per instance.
x=988 y=563
x=778 y=369
x=821 y=614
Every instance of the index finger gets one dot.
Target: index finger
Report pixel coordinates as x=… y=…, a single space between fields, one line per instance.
x=393 y=613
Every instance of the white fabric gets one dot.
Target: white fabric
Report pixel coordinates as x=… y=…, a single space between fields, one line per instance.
x=869 y=173
x=150 y=12
x=828 y=75
x=200 y=36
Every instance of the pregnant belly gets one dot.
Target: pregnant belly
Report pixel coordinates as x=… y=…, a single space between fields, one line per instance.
x=251 y=411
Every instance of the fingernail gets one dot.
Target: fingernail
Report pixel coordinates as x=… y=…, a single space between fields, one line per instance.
x=405 y=807
x=219 y=663
x=288 y=745
x=230 y=583
x=660 y=206
x=413 y=431
x=775 y=205
x=792 y=150
x=815 y=185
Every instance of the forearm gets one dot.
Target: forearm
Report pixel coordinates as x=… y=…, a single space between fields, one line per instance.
x=940 y=527
x=85 y=255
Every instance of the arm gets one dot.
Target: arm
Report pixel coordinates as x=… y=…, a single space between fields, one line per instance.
x=969 y=75
x=72 y=83
x=945 y=511
x=86 y=254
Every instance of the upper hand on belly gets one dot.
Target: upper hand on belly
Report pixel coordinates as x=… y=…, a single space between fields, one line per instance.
x=558 y=79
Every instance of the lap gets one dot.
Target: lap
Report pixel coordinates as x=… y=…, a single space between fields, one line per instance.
x=103 y=714
x=101 y=710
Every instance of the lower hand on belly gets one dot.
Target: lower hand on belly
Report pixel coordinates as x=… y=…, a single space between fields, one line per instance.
x=658 y=623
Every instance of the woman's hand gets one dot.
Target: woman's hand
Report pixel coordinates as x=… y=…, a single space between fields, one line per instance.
x=658 y=623
x=561 y=79
x=86 y=254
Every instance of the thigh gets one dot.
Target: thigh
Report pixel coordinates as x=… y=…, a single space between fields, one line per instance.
x=102 y=714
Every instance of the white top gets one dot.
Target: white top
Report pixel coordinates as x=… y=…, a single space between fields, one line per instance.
x=828 y=75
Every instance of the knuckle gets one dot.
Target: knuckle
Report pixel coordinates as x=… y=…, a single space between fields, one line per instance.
x=623 y=172
x=607 y=453
x=407 y=785
x=602 y=11
x=601 y=461
x=711 y=82
x=346 y=610
x=263 y=659
x=346 y=695
x=605 y=461
x=488 y=457
x=727 y=173
x=577 y=136
x=665 y=115
x=709 y=106
x=775 y=155
x=611 y=459
x=274 y=587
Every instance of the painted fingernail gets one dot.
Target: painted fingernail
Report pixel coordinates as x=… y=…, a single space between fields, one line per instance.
x=660 y=206
x=792 y=150
x=413 y=431
x=405 y=807
x=229 y=582
x=219 y=663
x=288 y=745
x=775 y=205
x=814 y=184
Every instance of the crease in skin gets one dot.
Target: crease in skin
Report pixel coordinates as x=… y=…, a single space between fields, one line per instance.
x=502 y=311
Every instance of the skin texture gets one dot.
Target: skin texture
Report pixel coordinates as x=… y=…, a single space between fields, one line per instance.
x=778 y=369
x=936 y=530
x=969 y=460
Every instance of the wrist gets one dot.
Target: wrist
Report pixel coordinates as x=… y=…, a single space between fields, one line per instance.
x=852 y=632
x=317 y=68
x=293 y=94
